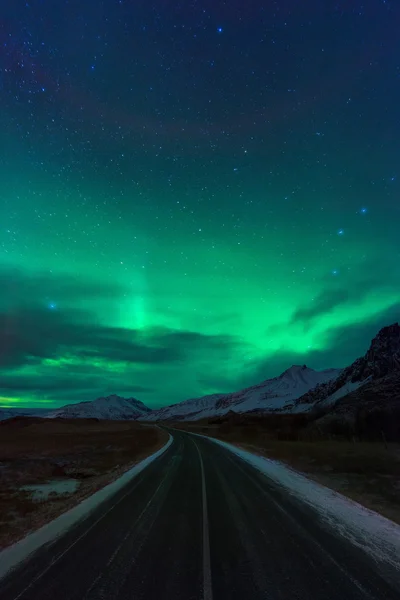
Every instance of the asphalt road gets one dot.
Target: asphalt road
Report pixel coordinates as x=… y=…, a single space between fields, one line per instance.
x=199 y=523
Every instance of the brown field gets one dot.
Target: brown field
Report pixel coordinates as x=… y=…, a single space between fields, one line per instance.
x=368 y=472
x=34 y=450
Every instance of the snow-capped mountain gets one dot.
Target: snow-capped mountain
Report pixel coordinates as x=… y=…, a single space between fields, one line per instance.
x=298 y=389
x=276 y=393
x=382 y=358
x=270 y=395
x=188 y=410
x=111 y=407
x=10 y=413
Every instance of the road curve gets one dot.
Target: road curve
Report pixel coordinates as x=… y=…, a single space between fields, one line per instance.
x=199 y=524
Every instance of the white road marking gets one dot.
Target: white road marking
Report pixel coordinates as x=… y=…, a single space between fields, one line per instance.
x=207 y=584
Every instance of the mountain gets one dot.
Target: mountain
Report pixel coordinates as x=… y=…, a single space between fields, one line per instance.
x=381 y=359
x=6 y=414
x=380 y=395
x=111 y=407
x=188 y=410
x=10 y=413
x=270 y=395
x=370 y=379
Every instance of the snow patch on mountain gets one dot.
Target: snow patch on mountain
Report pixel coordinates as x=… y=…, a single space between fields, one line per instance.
x=347 y=388
x=270 y=395
x=276 y=393
x=381 y=359
x=187 y=410
x=111 y=407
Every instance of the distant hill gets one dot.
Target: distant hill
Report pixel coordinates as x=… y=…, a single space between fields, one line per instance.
x=111 y=407
x=10 y=413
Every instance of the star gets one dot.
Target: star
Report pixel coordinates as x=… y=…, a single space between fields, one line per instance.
x=139 y=175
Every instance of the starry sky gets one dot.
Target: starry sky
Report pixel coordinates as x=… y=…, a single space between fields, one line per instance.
x=195 y=194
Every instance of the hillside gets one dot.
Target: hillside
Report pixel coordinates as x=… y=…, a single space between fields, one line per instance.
x=381 y=359
x=10 y=413
x=270 y=395
x=112 y=407
x=372 y=411
x=188 y=410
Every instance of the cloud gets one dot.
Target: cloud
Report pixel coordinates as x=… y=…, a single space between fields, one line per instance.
x=67 y=354
x=20 y=288
x=371 y=276
x=218 y=383
x=82 y=387
x=32 y=330
x=28 y=334
x=344 y=344
x=196 y=342
x=327 y=301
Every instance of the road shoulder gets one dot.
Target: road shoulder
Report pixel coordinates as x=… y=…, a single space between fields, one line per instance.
x=364 y=528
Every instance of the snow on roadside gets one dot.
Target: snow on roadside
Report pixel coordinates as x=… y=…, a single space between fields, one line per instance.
x=12 y=556
x=365 y=528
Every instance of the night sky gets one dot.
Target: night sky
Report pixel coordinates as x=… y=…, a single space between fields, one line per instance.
x=194 y=195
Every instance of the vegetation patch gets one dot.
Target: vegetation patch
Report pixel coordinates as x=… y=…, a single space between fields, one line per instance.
x=34 y=452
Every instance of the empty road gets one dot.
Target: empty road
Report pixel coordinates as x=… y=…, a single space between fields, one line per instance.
x=199 y=524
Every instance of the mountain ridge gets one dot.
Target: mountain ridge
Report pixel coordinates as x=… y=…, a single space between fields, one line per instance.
x=297 y=389
x=381 y=358
x=272 y=394
x=109 y=407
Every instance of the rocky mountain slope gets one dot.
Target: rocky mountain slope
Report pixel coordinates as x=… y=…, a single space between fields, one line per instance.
x=381 y=359
x=111 y=407
x=380 y=394
x=270 y=395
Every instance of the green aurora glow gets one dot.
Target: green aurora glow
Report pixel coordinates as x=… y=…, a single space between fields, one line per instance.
x=155 y=247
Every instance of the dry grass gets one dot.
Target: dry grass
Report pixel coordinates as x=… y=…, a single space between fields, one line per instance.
x=40 y=450
x=368 y=472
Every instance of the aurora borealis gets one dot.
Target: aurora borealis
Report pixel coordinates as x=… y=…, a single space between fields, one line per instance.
x=194 y=195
